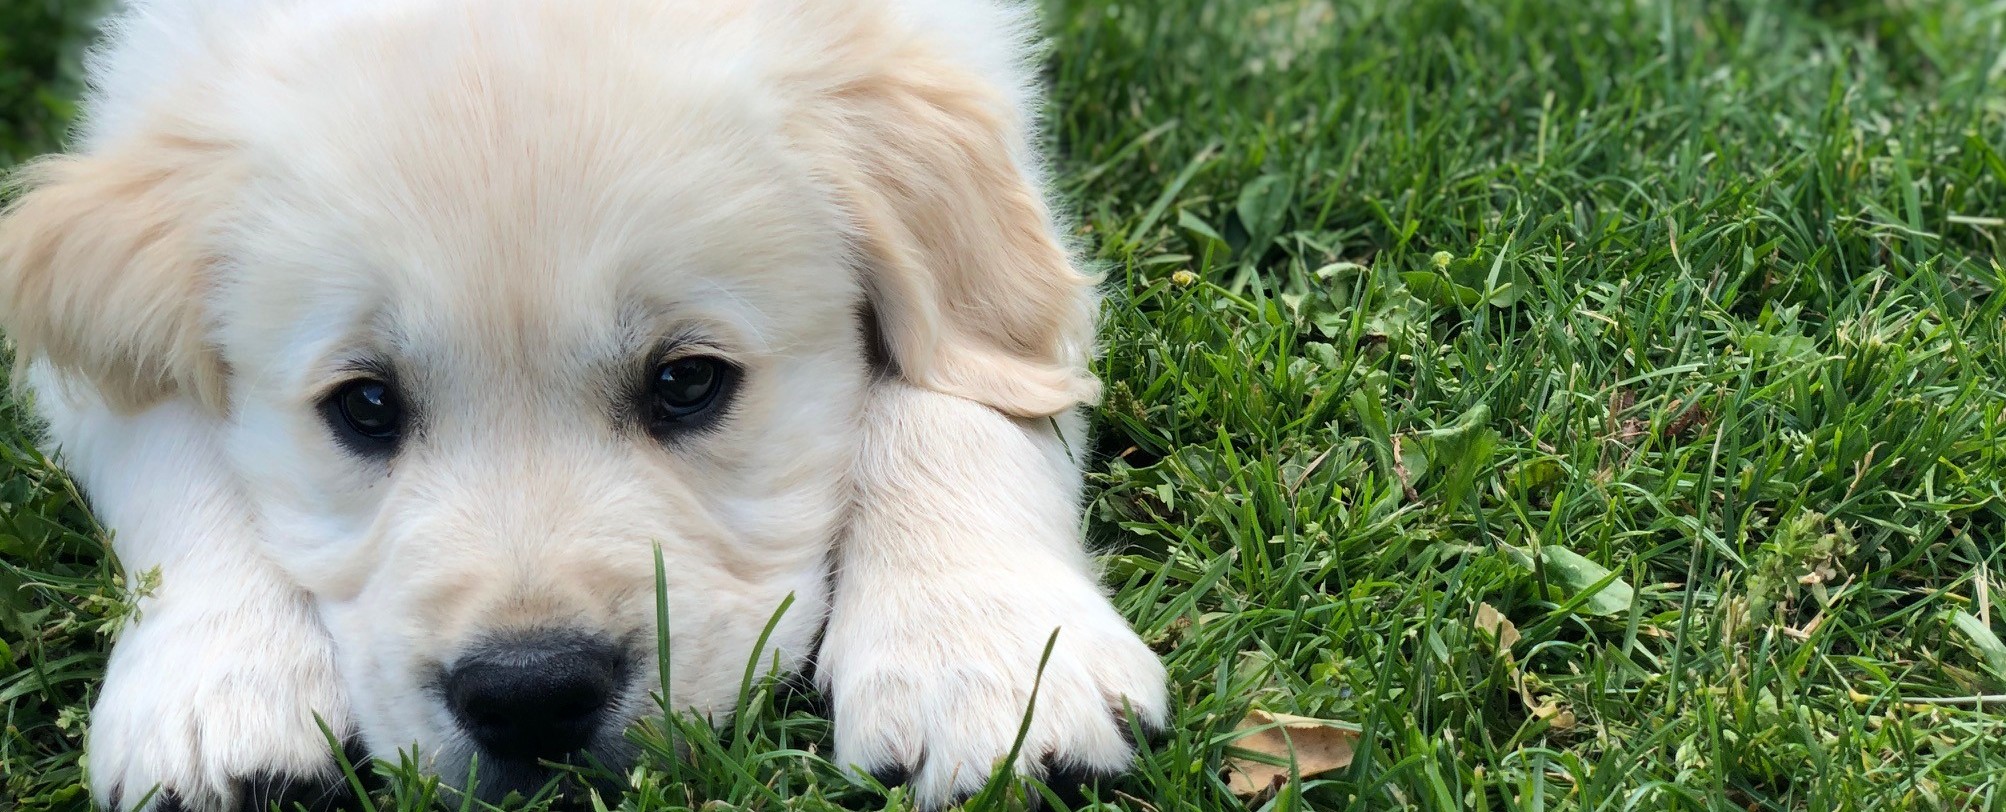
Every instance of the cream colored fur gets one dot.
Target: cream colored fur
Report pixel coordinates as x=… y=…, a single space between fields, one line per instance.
x=513 y=203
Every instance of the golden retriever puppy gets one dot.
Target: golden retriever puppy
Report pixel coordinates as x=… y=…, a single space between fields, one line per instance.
x=400 y=335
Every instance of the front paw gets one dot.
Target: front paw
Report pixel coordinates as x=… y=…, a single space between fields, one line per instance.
x=929 y=684
x=210 y=712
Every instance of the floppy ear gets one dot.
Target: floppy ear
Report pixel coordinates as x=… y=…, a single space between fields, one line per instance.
x=975 y=295
x=103 y=268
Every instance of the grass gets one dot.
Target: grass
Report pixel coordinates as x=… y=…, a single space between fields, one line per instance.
x=1669 y=332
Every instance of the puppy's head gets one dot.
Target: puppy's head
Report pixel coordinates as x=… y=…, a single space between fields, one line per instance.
x=497 y=300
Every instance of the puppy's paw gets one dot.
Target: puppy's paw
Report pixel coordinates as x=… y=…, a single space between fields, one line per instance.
x=209 y=712
x=929 y=684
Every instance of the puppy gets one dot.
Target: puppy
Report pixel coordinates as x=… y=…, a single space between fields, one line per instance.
x=399 y=336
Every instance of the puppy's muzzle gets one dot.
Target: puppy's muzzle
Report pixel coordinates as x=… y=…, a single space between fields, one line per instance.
x=539 y=695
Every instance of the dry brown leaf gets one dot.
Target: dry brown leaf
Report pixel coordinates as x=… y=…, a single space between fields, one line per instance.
x=1317 y=746
x=1491 y=620
x=1400 y=472
x=1557 y=715
x=1694 y=419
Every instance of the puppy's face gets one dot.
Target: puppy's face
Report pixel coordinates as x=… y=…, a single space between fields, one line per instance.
x=501 y=301
x=500 y=329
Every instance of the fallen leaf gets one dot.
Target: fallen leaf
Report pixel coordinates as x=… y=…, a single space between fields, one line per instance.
x=1983 y=640
x=1403 y=472
x=1491 y=620
x=1273 y=740
x=1263 y=209
x=1557 y=716
x=1437 y=289
x=1611 y=594
x=1620 y=401
x=1505 y=634
x=1580 y=574
x=1694 y=419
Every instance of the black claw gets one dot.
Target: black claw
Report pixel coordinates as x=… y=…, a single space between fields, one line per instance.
x=892 y=775
x=356 y=753
x=797 y=691
x=1076 y=786
x=259 y=792
x=957 y=799
x=1151 y=733
x=318 y=793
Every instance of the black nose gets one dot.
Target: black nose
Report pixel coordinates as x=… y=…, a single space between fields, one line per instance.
x=541 y=695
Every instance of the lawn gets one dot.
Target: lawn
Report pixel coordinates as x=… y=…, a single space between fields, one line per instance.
x=1595 y=405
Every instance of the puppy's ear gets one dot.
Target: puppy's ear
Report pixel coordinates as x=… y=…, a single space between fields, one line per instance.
x=975 y=294
x=103 y=268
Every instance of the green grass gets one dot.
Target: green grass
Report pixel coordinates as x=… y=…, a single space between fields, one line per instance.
x=1670 y=330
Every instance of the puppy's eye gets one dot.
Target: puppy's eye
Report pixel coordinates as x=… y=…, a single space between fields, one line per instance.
x=366 y=412
x=686 y=389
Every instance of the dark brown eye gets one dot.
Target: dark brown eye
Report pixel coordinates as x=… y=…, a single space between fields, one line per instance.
x=366 y=414
x=686 y=389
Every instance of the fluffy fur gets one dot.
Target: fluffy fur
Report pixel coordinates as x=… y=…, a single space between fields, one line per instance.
x=512 y=208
